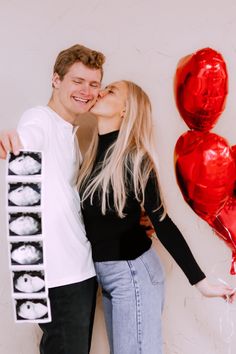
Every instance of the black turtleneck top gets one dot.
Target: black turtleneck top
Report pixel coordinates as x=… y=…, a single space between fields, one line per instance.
x=115 y=238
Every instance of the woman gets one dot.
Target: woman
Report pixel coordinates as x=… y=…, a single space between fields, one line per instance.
x=118 y=177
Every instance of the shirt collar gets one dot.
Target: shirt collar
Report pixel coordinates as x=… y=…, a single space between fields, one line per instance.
x=63 y=122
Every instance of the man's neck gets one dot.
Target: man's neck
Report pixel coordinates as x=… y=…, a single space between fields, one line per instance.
x=57 y=108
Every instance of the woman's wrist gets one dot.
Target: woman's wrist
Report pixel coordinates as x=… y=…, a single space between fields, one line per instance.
x=207 y=289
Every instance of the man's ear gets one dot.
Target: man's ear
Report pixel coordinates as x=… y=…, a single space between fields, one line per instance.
x=56 y=80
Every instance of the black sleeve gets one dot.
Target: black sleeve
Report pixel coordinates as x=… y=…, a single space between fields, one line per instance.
x=169 y=234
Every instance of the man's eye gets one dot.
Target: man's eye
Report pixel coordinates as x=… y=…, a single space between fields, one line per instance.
x=95 y=85
x=77 y=82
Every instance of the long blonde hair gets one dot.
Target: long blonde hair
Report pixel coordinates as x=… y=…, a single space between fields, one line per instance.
x=132 y=153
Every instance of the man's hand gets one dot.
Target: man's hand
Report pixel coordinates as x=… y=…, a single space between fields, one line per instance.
x=9 y=142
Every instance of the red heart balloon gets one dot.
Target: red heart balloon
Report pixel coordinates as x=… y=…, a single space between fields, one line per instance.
x=205 y=171
x=233 y=149
x=201 y=87
x=224 y=224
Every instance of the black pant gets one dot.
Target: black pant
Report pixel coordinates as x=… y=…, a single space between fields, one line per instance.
x=72 y=308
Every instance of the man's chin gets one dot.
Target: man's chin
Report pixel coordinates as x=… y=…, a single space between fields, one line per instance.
x=84 y=110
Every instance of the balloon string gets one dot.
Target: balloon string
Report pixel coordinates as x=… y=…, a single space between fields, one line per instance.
x=227 y=231
x=228 y=326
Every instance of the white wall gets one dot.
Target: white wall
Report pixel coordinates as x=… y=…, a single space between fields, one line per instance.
x=143 y=41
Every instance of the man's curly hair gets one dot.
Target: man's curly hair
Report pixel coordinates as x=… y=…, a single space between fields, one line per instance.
x=78 y=53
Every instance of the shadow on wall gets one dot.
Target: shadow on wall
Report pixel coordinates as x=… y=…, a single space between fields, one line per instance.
x=87 y=124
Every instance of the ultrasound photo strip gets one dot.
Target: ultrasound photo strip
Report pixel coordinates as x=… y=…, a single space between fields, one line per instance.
x=24 y=224
x=26 y=253
x=28 y=282
x=27 y=163
x=24 y=178
x=23 y=194
x=32 y=310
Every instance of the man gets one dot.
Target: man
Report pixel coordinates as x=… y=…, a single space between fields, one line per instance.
x=70 y=273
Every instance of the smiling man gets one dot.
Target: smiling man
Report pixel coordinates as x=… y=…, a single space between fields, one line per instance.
x=76 y=86
x=52 y=129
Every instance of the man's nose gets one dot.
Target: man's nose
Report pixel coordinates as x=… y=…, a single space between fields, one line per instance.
x=85 y=89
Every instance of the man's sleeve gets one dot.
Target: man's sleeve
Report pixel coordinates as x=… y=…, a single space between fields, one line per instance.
x=32 y=129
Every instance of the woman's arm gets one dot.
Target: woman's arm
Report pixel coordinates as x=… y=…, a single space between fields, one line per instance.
x=176 y=245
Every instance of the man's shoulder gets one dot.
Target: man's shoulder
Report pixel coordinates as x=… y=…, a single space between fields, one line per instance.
x=42 y=111
x=38 y=115
x=35 y=127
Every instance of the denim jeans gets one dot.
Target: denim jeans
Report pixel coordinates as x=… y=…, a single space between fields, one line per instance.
x=133 y=295
x=72 y=308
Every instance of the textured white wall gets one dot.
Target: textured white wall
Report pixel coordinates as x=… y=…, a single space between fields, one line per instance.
x=143 y=41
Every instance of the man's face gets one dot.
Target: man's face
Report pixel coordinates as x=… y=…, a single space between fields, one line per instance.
x=77 y=92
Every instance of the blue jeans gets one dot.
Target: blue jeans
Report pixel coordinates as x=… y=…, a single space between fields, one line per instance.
x=133 y=294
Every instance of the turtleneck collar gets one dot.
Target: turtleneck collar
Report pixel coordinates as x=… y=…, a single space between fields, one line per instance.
x=108 y=137
x=104 y=142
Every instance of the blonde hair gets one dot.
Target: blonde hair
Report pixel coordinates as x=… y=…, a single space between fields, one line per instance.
x=132 y=153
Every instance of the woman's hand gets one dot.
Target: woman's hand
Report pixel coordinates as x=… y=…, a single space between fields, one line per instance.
x=213 y=290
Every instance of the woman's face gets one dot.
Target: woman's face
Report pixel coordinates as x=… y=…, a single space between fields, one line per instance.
x=111 y=101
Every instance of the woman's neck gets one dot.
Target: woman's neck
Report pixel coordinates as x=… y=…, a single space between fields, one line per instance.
x=108 y=125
